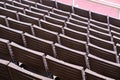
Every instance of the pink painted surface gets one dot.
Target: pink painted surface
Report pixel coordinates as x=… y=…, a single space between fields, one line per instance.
x=115 y=1
x=99 y=8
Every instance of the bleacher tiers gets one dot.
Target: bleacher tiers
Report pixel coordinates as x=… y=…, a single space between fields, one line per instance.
x=41 y=39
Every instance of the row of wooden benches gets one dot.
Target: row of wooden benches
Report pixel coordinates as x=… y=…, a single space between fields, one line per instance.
x=39 y=64
x=98 y=26
x=61 y=51
x=88 y=42
x=64 y=9
x=67 y=39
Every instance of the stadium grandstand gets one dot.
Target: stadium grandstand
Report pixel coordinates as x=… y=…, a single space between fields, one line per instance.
x=52 y=40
